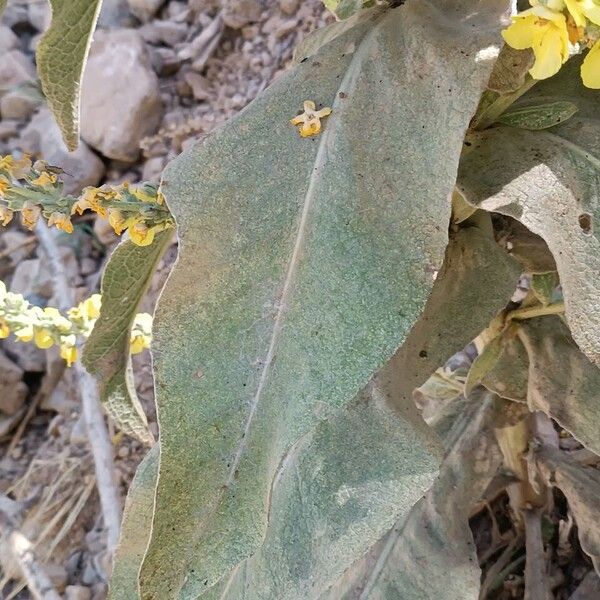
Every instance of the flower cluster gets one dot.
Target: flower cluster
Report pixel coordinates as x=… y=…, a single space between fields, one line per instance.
x=35 y=189
x=555 y=29
x=47 y=327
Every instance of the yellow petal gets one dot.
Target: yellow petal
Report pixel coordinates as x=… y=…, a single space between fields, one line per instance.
x=141 y=235
x=590 y=69
x=574 y=8
x=591 y=10
x=4 y=329
x=69 y=354
x=520 y=35
x=43 y=338
x=549 y=51
x=138 y=343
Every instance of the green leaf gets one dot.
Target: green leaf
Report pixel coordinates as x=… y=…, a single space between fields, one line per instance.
x=363 y=470
x=106 y=353
x=135 y=529
x=303 y=265
x=544 y=285
x=563 y=383
x=61 y=55
x=539 y=116
x=484 y=363
x=550 y=181
x=432 y=555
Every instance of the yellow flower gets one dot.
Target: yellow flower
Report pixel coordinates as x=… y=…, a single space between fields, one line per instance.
x=117 y=221
x=90 y=307
x=141 y=234
x=25 y=334
x=581 y=10
x=30 y=213
x=16 y=168
x=44 y=179
x=61 y=221
x=4 y=185
x=590 y=69
x=43 y=338
x=545 y=31
x=68 y=353
x=4 y=329
x=92 y=198
x=310 y=120
x=139 y=343
x=6 y=215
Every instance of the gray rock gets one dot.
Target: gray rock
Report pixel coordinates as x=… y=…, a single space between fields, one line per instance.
x=40 y=15
x=114 y=13
x=8 y=129
x=105 y=233
x=42 y=137
x=18 y=104
x=237 y=13
x=120 y=102
x=153 y=168
x=79 y=435
x=8 y=39
x=144 y=10
x=289 y=7
x=58 y=576
x=15 y=14
x=29 y=279
x=165 y=32
x=77 y=592
x=200 y=87
x=15 y=68
x=12 y=389
x=15 y=240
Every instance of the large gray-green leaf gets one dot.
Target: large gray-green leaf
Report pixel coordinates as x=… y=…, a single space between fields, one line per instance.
x=303 y=265
x=135 y=529
x=432 y=554
x=61 y=55
x=342 y=488
x=581 y=486
x=563 y=383
x=550 y=181
x=106 y=353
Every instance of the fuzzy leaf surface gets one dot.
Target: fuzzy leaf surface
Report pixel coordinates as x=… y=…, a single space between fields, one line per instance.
x=342 y=488
x=303 y=265
x=106 y=353
x=550 y=181
x=61 y=55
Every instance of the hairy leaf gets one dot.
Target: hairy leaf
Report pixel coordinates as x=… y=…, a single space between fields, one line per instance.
x=135 y=529
x=106 y=353
x=581 y=486
x=432 y=554
x=340 y=490
x=550 y=181
x=303 y=265
x=563 y=383
x=61 y=55
x=537 y=116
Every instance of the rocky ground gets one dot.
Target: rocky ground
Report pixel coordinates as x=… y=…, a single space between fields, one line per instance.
x=160 y=75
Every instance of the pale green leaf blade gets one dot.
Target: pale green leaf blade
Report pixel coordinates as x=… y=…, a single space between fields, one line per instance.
x=563 y=383
x=362 y=471
x=106 y=352
x=135 y=529
x=538 y=116
x=311 y=260
x=550 y=181
x=61 y=55
x=432 y=555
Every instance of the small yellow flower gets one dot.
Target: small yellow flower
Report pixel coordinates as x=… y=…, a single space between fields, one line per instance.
x=310 y=120
x=92 y=198
x=545 y=31
x=44 y=179
x=25 y=334
x=30 y=213
x=590 y=69
x=90 y=307
x=61 y=221
x=4 y=329
x=4 y=185
x=6 y=215
x=141 y=234
x=17 y=168
x=43 y=338
x=68 y=353
x=141 y=333
x=138 y=344
x=117 y=221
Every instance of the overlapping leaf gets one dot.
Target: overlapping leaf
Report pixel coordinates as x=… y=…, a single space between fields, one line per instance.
x=550 y=181
x=342 y=488
x=303 y=265
x=106 y=353
x=61 y=55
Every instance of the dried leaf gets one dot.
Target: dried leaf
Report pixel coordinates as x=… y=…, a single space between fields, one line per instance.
x=484 y=363
x=537 y=116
